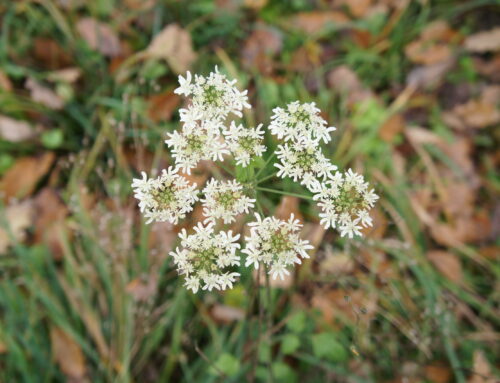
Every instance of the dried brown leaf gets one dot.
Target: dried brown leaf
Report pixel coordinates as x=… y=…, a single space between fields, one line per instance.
x=481 y=369
x=14 y=130
x=44 y=95
x=429 y=76
x=488 y=41
x=438 y=373
x=314 y=21
x=255 y=4
x=392 y=127
x=141 y=289
x=5 y=82
x=68 y=75
x=67 y=353
x=447 y=264
x=161 y=106
x=19 y=217
x=227 y=314
x=422 y=52
x=287 y=206
x=49 y=53
x=478 y=113
x=175 y=46
x=99 y=36
x=345 y=81
x=21 y=179
x=259 y=48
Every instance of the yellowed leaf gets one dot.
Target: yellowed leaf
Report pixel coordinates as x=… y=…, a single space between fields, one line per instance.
x=488 y=41
x=99 y=36
x=175 y=46
x=447 y=264
x=67 y=353
x=21 y=179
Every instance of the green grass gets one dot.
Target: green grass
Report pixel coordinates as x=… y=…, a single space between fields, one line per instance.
x=170 y=334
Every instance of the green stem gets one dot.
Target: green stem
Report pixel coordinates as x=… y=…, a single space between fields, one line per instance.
x=266 y=178
x=284 y=193
x=269 y=317
x=269 y=159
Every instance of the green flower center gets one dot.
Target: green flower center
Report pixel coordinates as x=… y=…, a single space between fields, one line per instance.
x=228 y=199
x=349 y=200
x=195 y=143
x=306 y=159
x=213 y=96
x=164 y=196
x=206 y=259
x=248 y=144
x=280 y=242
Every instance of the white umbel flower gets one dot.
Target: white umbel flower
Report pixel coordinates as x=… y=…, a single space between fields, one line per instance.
x=298 y=121
x=225 y=200
x=205 y=258
x=196 y=142
x=165 y=198
x=275 y=243
x=345 y=202
x=244 y=143
x=213 y=97
x=303 y=161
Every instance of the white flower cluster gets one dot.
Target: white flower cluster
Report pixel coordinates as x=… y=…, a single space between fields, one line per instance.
x=245 y=143
x=298 y=122
x=344 y=201
x=205 y=258
x=275 y=243
x=303 y=161
x=204 y=134
x=168 y=197
x=225 y=200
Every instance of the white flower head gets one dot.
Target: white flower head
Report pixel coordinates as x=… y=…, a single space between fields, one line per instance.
x=276 y=243
x=205 y=258
x=298 y=121
x=213 y=97
x=225 y=200
x=244 y=143
x=304 y=161
x=196 y=142
x=168 y=197
x=345 y=202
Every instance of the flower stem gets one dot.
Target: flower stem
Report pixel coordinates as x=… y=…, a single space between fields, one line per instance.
x=284 y=193
x=266 y=178
x=269 y=317
x=269 y=159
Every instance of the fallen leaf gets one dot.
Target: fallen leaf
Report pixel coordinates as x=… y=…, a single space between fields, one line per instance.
x=335 y=263
x=99 y=36
x=438 y=30
x=50 y=223
x=161 y=106
x=447 y=264
x=359 y=8
x=438 y=373
x=392 y=127
x=422 y=52
x=5 y=83
x=488 y=41
x=67 y=353
x=259 y=48
x=429 y=76
x=14 y=130
x=481 y=369
x=69 y=75
x=49 y=53
x=287 y=206
x=21 y=179
x=227 y=314
x=488 y=67
x=314 y=21
x=306 y=58
x=142 y=289
x=175 y=46
x=478 y=113
x=43 y=95
x=345 y=81
x=19 y=217
x=255 y=4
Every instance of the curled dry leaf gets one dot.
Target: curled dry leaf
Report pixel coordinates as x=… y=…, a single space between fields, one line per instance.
x=19 y=217
x=391 y=127
x=21 y=179
x=488 y=41
x=314 y=21
x=162 y=105
x=227 y=314
x=67 y=353
x=421 y=52
x=478 y=113
x=344 y=81
x=260 y=46
x=14 y=130
x=43 y=95
x=447 y=264
x=99 y=36
x=174 y=45
x=429 y=76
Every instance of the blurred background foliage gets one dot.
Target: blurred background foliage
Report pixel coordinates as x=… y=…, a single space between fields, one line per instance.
x=87 y=291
